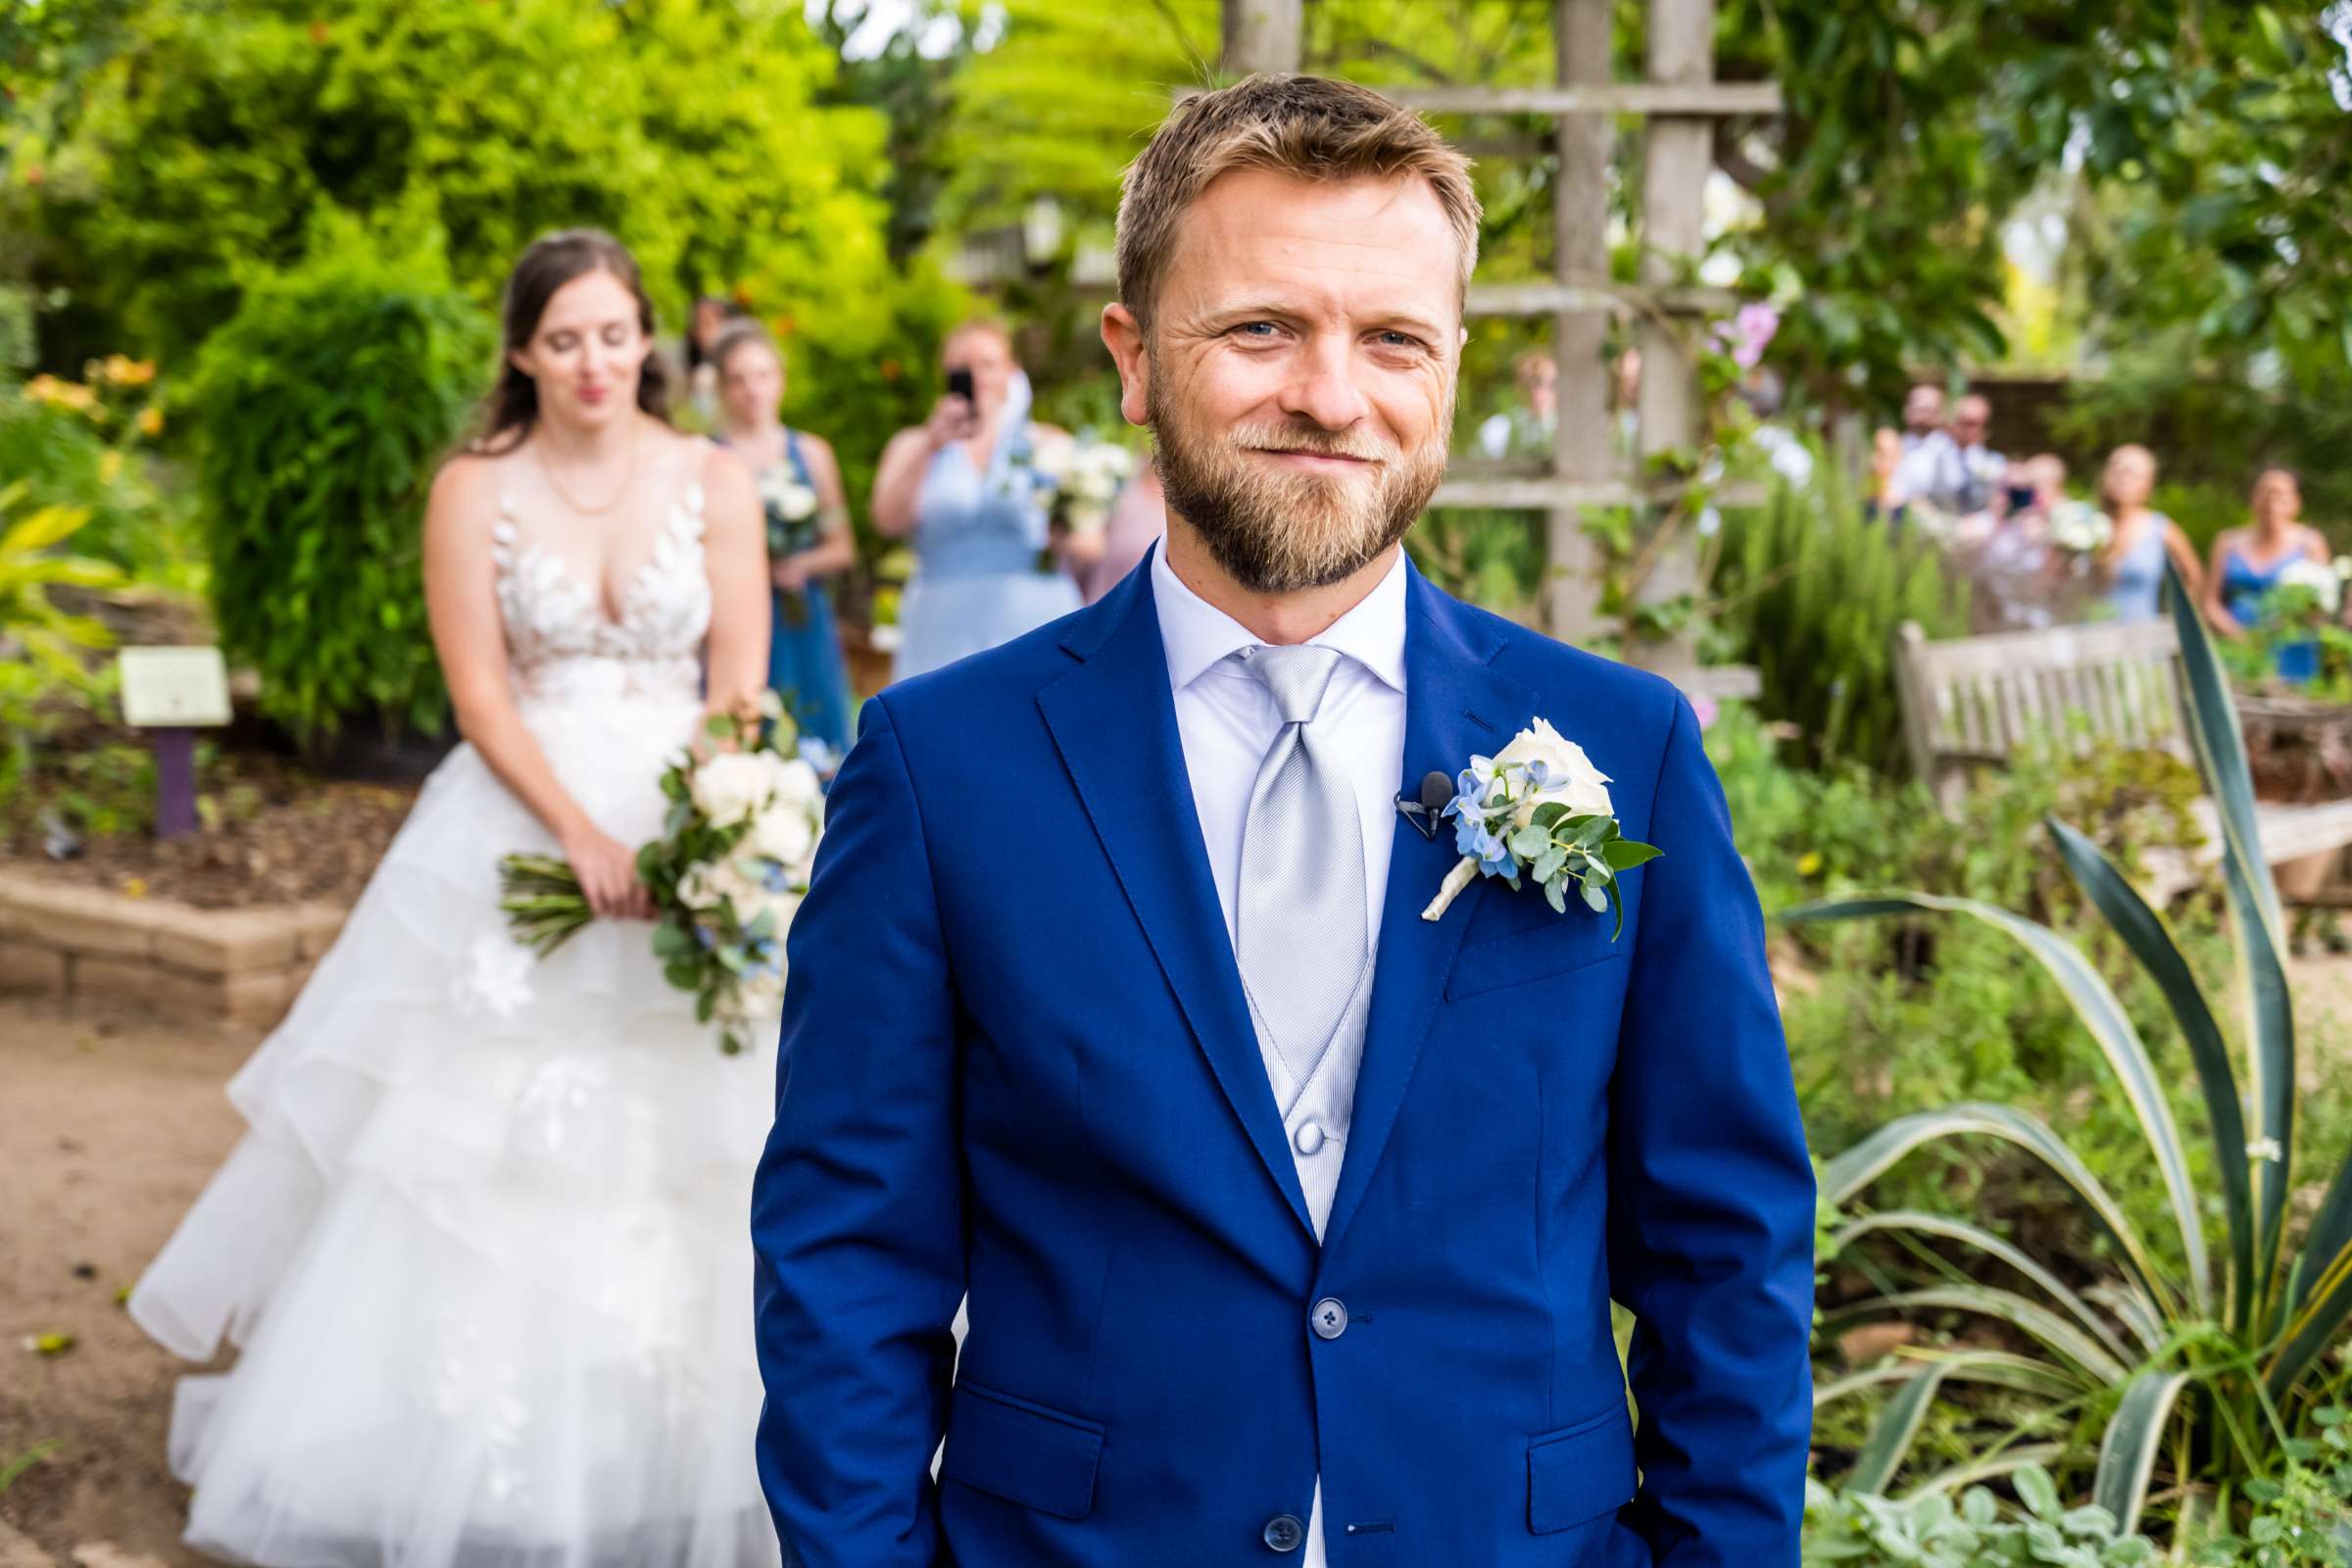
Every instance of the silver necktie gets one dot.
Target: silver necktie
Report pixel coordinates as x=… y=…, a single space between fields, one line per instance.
x=1301 y=935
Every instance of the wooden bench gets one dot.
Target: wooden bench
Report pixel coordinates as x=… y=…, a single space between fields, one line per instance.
x=1971 y=703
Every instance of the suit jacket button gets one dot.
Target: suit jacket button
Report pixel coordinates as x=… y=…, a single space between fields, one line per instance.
x=1329 y=1318
x=1283 y=1533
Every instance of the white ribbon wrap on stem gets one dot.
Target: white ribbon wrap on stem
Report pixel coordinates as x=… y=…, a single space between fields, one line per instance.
x=1464 y=872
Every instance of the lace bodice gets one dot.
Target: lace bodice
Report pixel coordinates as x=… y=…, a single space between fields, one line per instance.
x=561 y=644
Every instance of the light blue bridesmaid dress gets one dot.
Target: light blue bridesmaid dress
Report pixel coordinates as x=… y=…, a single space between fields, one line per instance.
x=977 y=539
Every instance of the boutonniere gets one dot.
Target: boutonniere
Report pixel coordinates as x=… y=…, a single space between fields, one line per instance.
x=1540 y=809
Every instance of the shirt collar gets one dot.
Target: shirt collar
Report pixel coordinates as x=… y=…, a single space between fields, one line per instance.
x=1195 y=634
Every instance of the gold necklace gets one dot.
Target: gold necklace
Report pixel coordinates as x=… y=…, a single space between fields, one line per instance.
x=628 y=479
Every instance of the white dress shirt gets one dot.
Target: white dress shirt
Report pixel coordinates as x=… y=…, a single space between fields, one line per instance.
x=1227 y=720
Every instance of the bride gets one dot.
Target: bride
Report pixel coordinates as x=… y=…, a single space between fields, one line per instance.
x=484 y=1247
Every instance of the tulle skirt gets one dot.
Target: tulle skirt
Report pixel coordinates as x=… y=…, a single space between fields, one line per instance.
x=485 y=1246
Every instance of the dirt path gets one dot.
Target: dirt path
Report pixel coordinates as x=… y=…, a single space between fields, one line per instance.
x=110 y=1122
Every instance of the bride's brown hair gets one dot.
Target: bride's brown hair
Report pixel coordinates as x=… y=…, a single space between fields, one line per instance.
x=553 y=261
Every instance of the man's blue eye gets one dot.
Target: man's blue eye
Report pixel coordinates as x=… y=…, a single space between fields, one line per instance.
x=1257 y=326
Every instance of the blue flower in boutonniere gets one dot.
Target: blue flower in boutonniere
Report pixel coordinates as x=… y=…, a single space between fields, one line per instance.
x=1539 y=810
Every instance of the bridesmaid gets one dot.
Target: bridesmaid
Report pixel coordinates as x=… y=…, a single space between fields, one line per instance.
x=2131 y=567
x=966 y=485
x=808 y=531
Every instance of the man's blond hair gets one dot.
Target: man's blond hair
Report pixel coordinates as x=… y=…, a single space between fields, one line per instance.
x=1308 y=128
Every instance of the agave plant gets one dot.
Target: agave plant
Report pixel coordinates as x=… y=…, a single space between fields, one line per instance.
x=30 y=565
x=2207 y=1363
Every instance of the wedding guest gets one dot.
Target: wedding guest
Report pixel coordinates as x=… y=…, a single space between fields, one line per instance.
x=1923 y=414
x=2017 y=571
x=966 y=486
x=807 y=527
x=710 y=318
x=1139 y=520
x=1525 y=429
x=1953 y=469
x=2131 y=567
x=1882 y=496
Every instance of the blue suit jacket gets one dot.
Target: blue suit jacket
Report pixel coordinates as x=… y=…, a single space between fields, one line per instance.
x=1018 y=1062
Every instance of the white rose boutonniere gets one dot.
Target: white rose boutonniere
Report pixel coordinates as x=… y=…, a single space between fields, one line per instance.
x=1540 y=809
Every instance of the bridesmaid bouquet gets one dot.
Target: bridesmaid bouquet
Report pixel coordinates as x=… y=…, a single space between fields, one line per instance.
x=1092 y=471
x=727 y=875
x=790 y=507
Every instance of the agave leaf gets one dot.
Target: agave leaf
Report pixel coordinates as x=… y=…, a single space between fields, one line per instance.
x=2039 y=1323
x=2314 y=1327
x=2000 y=1369
x=2144 y=932
x=2330 y=1232
x=1841 y=1178
x=2108 y=1024
x=2006 y=1462
x=1983 y=1241
x=1892 y=1437
x=2134 y=1435
x=2254 y=911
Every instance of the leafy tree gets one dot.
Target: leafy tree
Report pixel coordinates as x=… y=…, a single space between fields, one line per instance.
x=204 y=146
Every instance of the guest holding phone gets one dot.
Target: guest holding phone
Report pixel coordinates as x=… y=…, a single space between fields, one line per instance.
x=969 y=487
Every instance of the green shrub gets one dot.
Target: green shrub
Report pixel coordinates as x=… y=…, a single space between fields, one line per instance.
x=2194 y=1364
x=1810 y=591
x=323 y=409
x=1857 y=1529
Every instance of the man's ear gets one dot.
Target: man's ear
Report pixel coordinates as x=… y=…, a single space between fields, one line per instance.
x=1123 y=335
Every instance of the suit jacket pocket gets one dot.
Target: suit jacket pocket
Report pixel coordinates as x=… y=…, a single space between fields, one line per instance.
x=1579 y=1471
x=1022 y=1453
x=1563 y=945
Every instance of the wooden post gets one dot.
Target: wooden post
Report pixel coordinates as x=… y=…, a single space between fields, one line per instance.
x=175 y=780
x=1261 y=36
x=1580 y=445
x=1677 y=158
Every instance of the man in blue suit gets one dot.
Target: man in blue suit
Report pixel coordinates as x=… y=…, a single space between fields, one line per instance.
x=1287 y=1220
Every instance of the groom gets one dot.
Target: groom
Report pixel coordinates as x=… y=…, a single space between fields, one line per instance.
x=1289 y=1220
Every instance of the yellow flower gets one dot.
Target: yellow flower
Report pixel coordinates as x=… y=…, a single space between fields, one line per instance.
x=1809 y=863
x=122 y=370
x=109 y=467
x=151 y=422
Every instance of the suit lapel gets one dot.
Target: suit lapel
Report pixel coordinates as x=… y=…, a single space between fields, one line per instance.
x=1456 y=706
x=1113 y=719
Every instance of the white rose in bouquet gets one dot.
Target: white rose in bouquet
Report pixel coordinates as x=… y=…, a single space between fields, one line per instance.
x=792 y=781
x=784 y=832
x=2317 y=577
x=1567 y=775
x=731 y=786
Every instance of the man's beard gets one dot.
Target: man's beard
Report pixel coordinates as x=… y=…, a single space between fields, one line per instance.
x=1279 y=532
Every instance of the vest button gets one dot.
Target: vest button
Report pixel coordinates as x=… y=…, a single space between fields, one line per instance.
x=1309 y=1139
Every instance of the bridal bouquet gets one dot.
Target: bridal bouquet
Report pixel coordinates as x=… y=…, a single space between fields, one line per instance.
x=727 y=875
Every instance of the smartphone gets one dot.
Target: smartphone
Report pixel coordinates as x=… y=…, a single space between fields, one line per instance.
x=960 y=383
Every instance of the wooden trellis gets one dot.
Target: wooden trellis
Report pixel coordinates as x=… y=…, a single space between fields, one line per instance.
x=1680 y=102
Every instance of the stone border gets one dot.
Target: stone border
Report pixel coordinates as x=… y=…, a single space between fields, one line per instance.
x=244 y=965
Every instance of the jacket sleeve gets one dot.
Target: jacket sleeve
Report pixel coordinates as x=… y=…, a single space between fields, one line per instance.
x=857 y=1221
x=1711 y=1200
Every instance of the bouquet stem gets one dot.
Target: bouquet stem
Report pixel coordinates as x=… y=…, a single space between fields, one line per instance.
x=1466 y=871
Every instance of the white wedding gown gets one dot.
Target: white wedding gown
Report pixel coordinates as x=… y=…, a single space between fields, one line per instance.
x=485 y=1247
